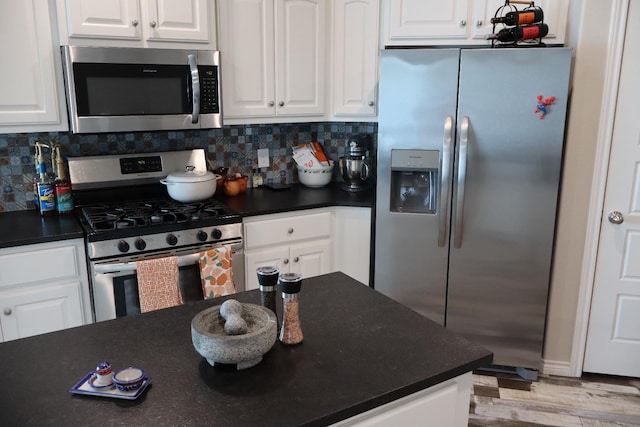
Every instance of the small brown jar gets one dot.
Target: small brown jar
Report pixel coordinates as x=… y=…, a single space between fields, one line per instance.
x=232 y=186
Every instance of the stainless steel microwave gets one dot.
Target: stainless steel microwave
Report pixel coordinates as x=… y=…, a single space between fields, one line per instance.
x=112 y=89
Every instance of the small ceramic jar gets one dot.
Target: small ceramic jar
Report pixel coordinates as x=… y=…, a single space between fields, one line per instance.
x=232 y=186
x=104 y=374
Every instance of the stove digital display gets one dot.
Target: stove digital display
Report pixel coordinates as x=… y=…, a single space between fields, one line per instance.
x=138 y=165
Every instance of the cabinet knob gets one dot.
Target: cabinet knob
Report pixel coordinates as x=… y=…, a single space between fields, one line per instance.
x=134 y=22
x=478 y=23
x=290 y=231
x=463 y=23
x=153 y=24
x=281 y=103
x=271 y=103
x=286 y=261
x=296 y=259
x=371 y=103
x=7 y=311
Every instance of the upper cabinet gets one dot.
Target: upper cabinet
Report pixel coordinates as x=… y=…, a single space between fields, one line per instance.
x=273 y=59
x=456 y=22
x=355 y=58
x=138 y=23
x=30 y=81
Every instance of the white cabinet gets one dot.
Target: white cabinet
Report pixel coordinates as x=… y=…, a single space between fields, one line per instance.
x=31 y=84
x=443 y=405
x=456 y=22
x=273 y=59
x=297 y=242
x=352 y=241
x=355 y=58
x=43 y=288
x=138 y=23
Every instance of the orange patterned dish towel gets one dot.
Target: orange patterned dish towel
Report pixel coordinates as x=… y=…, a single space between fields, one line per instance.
x=216 y=273
x=158 y=283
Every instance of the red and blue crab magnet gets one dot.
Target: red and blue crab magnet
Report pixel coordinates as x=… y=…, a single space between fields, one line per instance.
x=543 y=103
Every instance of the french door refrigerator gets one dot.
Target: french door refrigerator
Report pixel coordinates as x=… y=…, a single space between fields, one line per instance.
x=470 y=145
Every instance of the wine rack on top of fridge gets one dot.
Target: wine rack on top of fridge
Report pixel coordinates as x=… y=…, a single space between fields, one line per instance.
x=521 y=28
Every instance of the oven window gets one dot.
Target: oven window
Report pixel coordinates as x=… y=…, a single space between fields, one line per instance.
x=132 y=89
x=125 y=290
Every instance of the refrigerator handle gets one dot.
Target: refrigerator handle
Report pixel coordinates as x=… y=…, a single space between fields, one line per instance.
x=462 y=172
x=445 y=177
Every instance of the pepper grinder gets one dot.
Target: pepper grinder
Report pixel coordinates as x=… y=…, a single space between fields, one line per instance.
x=268 y=280
x=290 y=333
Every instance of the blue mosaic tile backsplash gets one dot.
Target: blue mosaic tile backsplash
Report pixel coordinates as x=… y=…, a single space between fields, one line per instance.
x=234 y=147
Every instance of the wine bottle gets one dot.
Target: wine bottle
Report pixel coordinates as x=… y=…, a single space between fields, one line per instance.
x=520 y=17
x=520 y=33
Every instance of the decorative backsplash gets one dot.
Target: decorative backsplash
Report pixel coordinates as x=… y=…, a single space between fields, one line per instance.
x=234 y=147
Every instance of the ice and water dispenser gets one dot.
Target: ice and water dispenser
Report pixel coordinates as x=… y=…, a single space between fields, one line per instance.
x=414 y=181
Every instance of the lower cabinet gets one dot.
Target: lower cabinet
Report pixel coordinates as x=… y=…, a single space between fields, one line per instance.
x=310 y=242
x=43 y=288
x=443 y=405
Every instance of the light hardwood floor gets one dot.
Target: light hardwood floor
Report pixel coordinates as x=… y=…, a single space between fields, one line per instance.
x=590 y=401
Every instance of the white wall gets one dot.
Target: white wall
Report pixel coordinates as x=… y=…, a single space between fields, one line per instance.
x=587 y=33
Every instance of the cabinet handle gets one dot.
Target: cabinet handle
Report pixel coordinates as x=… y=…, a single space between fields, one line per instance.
x=371 y=103
x=134 y=22
x=290 y=231
x=296 y=259
x=281 y=103
x=286 y=261
x=271 y=103
x=7 y=311
x=153 y=24
x=463 y=23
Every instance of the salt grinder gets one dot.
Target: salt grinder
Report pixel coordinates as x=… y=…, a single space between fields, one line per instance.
x=268 y=280
x=290 y=284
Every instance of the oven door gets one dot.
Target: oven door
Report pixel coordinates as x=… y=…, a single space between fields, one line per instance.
x=115 y=285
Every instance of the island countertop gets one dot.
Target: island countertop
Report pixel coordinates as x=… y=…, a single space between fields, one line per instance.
x=360 y=350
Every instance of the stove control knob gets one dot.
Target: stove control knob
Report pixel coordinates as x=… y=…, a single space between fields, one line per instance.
x=217 y=234
x=123 y=246
x=202 y=236
x=140 y=244
x=172 y=239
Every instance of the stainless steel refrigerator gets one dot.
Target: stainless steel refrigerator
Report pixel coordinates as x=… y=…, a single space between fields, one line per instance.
x=470 y=145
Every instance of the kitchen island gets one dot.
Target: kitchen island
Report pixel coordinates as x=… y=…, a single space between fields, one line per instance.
x=361 y=350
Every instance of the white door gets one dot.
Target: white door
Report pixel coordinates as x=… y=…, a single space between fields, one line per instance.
x=179 y=20
x=311 y=259
x=103 y=19
x=613 y=338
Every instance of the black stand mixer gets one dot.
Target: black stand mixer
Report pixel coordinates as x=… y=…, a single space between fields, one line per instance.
x=354 y=166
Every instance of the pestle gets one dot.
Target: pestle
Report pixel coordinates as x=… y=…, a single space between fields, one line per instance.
x=231 y=312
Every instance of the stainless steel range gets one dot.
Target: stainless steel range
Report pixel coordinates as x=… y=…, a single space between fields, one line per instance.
x=128 y=216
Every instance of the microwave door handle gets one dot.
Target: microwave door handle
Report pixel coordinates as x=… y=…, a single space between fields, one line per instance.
x=131 y=266
x=195 y=88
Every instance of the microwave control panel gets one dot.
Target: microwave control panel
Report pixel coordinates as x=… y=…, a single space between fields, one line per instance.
x=209 y=102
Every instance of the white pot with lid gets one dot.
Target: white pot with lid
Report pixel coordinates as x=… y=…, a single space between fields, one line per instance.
x=191 y=185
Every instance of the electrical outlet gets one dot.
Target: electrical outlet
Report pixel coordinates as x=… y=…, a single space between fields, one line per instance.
x=263 y=158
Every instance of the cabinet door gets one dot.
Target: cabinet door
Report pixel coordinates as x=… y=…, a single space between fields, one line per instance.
x=311 y=259
x=300 y=30
x=178 y=20
x=32 y=97
x=247 y=56
x=114 y=19
x=355 y=53
x=36 y=310
x=426 y=19
x=278 y=256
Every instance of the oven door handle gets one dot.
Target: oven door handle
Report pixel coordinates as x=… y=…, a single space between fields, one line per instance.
x=131 y=266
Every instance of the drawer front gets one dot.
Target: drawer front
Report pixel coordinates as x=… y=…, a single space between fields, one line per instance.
x=285 y=230
x=35 y=266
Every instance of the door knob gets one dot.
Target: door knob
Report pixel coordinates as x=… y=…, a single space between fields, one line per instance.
x=286 y=261
x=296 y=259
x=7 y=311
x=615 y=217
x=281 y=103
x=153 y=24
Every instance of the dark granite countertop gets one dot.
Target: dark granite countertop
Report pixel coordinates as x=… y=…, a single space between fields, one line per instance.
x=360 y=350
x=263 y=200
x=28 y=227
